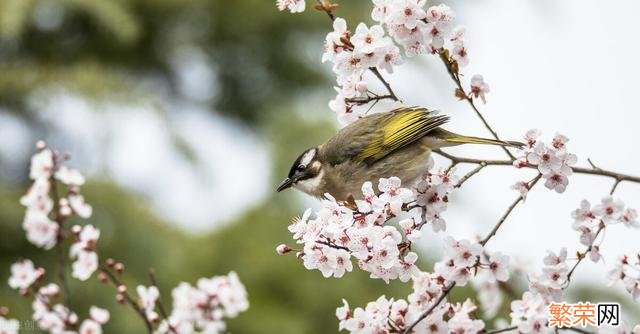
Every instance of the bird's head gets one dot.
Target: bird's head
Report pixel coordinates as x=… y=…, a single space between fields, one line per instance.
x=305 y=173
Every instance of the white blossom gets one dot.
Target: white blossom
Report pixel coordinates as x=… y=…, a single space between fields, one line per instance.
x=23 y=274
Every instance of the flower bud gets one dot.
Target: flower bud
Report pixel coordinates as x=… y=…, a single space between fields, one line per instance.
x=122 y=288
x=120 y=298
x=283 y=249
x=110 y=262
x=361 y=87
x=103 y=277
x=119 y=267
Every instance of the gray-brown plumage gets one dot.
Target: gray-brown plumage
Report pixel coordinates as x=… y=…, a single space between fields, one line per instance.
x=396 y=143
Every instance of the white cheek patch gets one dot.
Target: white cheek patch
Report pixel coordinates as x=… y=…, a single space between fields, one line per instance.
x=310 y=185
x=307 y=157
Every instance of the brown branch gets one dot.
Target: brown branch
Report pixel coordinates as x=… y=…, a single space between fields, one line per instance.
x=470 y=174
x=618 y=177
x=60 y=220
x=128 y=299
x=365 y=100
x=508 y=212
x=426 y=313
x=163 y=312
x=583 y=255
x=453 y=73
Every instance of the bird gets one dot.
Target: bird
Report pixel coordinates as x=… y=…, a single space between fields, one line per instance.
x=380 y=145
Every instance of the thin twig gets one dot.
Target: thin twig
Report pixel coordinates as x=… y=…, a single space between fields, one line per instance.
x=116 y=282
x=384 y=82
x=583 y=255
x=508 y=212
x=163 y=312
x=619 y=177
x=426 y=313
x=365 y=100
x=470 y=174
x=62 y=259
x=456 y=79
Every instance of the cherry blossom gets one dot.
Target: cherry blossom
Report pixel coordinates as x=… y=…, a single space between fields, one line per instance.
x=42 y=165
x=23 y=274
x=553 y=161
x=85 y=265
x=626 y=270
x=479 y=87
x=41 y=231
x=294 y=6
x=147 y=297
x=206 y=305
x=69 y=176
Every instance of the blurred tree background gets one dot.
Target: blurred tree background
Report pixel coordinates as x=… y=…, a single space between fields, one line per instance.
x=263 y=65
x=124 y=50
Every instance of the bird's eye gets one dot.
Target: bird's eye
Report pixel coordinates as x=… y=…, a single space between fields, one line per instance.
x=300 y=168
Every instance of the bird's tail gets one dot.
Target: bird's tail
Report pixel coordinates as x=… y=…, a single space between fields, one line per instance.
x=460 y=139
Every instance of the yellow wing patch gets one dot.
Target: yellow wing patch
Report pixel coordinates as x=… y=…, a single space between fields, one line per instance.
x=403 y=127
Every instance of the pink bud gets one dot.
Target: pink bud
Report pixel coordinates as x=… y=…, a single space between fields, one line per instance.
x=4 y=311
x=110 y=262
x=283 y=249
x=119 y=267
x=103 y=277
x=65 y=211
x=120 y=298
x=122 y=288
x=361 y=87
x=76 y=229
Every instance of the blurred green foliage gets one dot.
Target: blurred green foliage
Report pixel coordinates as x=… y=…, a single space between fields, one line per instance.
x=106 y=47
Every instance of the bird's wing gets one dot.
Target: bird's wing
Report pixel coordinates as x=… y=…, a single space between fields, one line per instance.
x=377 y=135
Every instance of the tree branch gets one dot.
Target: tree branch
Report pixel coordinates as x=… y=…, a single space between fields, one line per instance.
x=163 y=312
x=618 y=177
x=508 y=212
x=444 y=56
x=128 y=299
x=426 y=313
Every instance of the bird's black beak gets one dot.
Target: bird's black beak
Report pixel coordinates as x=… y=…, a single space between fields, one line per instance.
x=286 y=183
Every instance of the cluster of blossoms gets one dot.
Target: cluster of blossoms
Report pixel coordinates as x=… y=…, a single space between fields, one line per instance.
x=627 y=272
x=463 y=259
x=202 y=308
x=44 y=217
x=552 y=160
x=49 y=315
x=41 y=223
x=341 y=230
x=530 y=313
x=394 y=316
x=589 y=221
x=351 y=57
